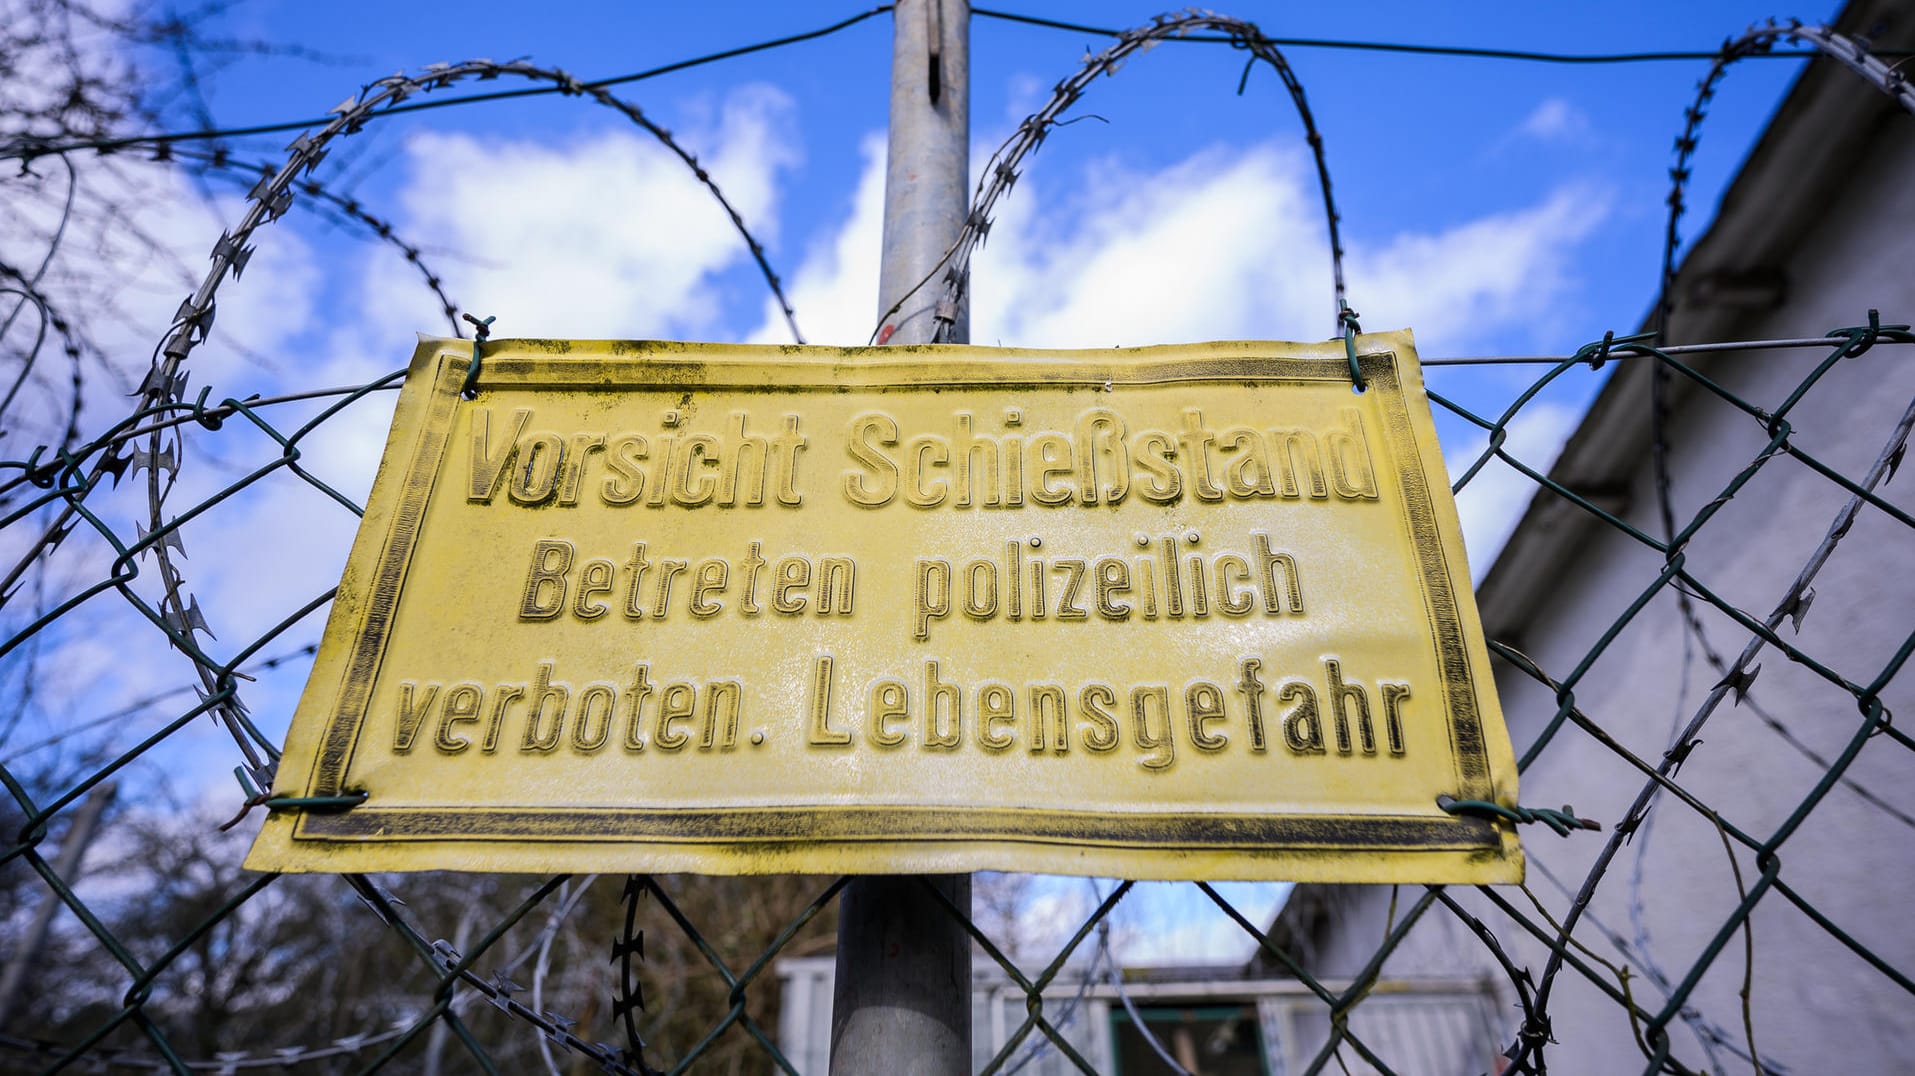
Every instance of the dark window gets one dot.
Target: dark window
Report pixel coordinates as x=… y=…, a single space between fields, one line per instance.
x=1207 y=1040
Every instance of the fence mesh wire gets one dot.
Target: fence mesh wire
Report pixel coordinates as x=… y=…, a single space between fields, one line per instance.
x=134 y=943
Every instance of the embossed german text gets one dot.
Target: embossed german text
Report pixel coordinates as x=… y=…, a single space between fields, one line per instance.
x=1168 y=612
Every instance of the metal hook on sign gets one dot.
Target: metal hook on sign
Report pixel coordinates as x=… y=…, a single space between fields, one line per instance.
x=1348 y=317
x=482 y=328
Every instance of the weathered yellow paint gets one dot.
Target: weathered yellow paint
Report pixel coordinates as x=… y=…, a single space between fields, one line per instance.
x=695 y=607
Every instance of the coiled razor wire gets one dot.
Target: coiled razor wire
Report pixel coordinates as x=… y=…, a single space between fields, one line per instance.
x=1002 y=170
x=45 y=495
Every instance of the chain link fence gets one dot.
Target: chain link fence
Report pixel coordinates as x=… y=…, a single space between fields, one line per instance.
x=134 y=943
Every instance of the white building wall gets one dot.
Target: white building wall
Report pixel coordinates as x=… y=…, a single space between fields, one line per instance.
x=1433 y=1027
x=1815 y=1006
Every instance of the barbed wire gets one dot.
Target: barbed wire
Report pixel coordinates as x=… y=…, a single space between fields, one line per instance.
x=30 y=151
x=349 y=208
x=1738 y=679
x=1659 y=775
x=268 y=201
x=29 y=294
x=1001 y=172
x=1757 y=40
x=51 y=491
x=1754 y=42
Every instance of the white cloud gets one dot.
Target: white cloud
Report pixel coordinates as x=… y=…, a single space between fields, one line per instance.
x=835 y=290
x=1493 y=501
x=605 y=235
x=1466 y=286
x=1025 y=93
x=1222 y=245
x=1555 y=120
x=135 y=246
x=1227 y=244
x=1137 y=259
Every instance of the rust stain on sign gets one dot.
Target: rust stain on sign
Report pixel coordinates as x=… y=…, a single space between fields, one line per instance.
x=1180 y=612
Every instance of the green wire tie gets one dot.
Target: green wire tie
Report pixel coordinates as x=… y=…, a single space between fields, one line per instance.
x=315 y=804
x=1597 y=353
x=1863 y=337
x=1350 y=328
x=1561 y=821
x=482 y=328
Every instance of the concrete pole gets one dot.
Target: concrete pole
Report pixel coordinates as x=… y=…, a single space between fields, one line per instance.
x=927 y=187
x=902 y=999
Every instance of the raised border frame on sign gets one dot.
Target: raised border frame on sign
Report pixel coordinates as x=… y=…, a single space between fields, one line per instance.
x=425 y=413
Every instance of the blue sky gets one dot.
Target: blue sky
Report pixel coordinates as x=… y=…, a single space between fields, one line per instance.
x=1417 y=145
x=1494 y=207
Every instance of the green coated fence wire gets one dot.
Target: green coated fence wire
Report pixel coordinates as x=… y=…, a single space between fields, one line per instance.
x=134 y=943
x=111 y=1033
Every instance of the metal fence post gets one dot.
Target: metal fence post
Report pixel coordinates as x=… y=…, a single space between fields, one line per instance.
x=73 y=848
x=902 y=999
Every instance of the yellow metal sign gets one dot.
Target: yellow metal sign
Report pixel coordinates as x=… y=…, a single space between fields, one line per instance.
x=1176 y=612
